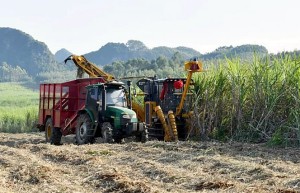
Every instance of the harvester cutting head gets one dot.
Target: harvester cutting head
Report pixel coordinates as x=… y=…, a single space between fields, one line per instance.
x=193 y=65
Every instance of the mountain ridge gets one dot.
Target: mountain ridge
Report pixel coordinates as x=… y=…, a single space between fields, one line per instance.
x=18 y=48
x=20 y=52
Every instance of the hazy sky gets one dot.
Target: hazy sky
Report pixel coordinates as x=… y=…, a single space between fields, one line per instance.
x=83 y=26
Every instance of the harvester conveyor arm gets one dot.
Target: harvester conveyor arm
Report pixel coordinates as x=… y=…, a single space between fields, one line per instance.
x=91 y=69
x=191 y=67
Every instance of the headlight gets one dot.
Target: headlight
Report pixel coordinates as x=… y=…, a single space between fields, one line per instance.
x=126 y=116
x=133 y=116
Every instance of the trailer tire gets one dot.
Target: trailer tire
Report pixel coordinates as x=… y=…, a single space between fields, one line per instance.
x=52 y=134
x=84 y=130
x=48 y=130
x=56 y=136
x=106 y=131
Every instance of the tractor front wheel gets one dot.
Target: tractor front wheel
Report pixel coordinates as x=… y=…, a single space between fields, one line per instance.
x=84 y=130
x=106 y=131
x=143 y=136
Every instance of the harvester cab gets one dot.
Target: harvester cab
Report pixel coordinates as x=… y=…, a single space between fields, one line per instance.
x=164 y=92
x=167 y=104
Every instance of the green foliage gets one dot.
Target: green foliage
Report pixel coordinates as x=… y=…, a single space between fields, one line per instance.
x=244 y=52
x=23 y=57
x=161 y=67
x=278 y=138
x=9 y=73
x=250 y=101
x=112 y=52
x=135 y=45
x=18 y=108
x=56 y=77
x=241 y=97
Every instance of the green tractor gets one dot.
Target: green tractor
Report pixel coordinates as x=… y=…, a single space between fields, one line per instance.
x=106 y=114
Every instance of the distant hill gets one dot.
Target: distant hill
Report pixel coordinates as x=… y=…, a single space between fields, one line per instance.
x=61 y=55
x=294 y=54
x=23 y=58
x=135 y=49
x=244 y=51
x=20 y=49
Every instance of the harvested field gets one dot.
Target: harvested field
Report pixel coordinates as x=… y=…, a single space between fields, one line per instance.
x=28 y=164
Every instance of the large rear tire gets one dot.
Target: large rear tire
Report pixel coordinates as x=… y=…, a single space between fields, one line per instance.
x=84 y=130
x=52 y=134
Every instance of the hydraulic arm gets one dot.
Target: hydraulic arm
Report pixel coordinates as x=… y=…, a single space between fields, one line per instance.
x=91 y=69
x=191 y=67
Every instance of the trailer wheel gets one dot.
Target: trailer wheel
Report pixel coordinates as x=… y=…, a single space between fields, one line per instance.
x=48 y=130
x=52 y=134
x=106 y=131
x=84 y=130
x=56 y=136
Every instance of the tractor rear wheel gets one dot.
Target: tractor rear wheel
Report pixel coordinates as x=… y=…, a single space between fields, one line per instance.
x=52 y=134
x=84 y=130
x=106 y=131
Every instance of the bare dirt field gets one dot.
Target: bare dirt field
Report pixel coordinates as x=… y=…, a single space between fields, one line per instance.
x=28 y=164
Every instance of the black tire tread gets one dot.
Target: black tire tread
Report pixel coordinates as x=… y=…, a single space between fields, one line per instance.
x=55 y=138
x=106 y=127
x=144 y=136
x=88 y=139
x=48 y=122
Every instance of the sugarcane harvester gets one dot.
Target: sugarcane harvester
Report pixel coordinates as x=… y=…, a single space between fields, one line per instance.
x=167 y=104
x=88 y=107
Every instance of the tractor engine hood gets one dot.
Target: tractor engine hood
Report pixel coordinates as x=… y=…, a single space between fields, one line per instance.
x=120 y=112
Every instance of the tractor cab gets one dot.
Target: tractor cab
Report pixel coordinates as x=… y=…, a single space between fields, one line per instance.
x=102 y=95
x=107 y=106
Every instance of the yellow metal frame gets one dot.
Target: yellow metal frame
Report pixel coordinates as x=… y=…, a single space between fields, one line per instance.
x=191 y=67
x=91 y=69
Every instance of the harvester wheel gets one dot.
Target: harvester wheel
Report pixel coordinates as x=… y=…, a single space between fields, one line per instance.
x=52 y=134
x=84 y=130
x=106 y=131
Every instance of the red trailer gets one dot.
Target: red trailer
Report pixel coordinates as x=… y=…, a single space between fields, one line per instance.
x=60 y=103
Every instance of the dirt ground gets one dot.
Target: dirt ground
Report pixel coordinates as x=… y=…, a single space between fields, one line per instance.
x=28 y=164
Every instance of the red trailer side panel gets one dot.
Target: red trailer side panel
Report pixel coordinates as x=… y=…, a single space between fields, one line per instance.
x=62 y=101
